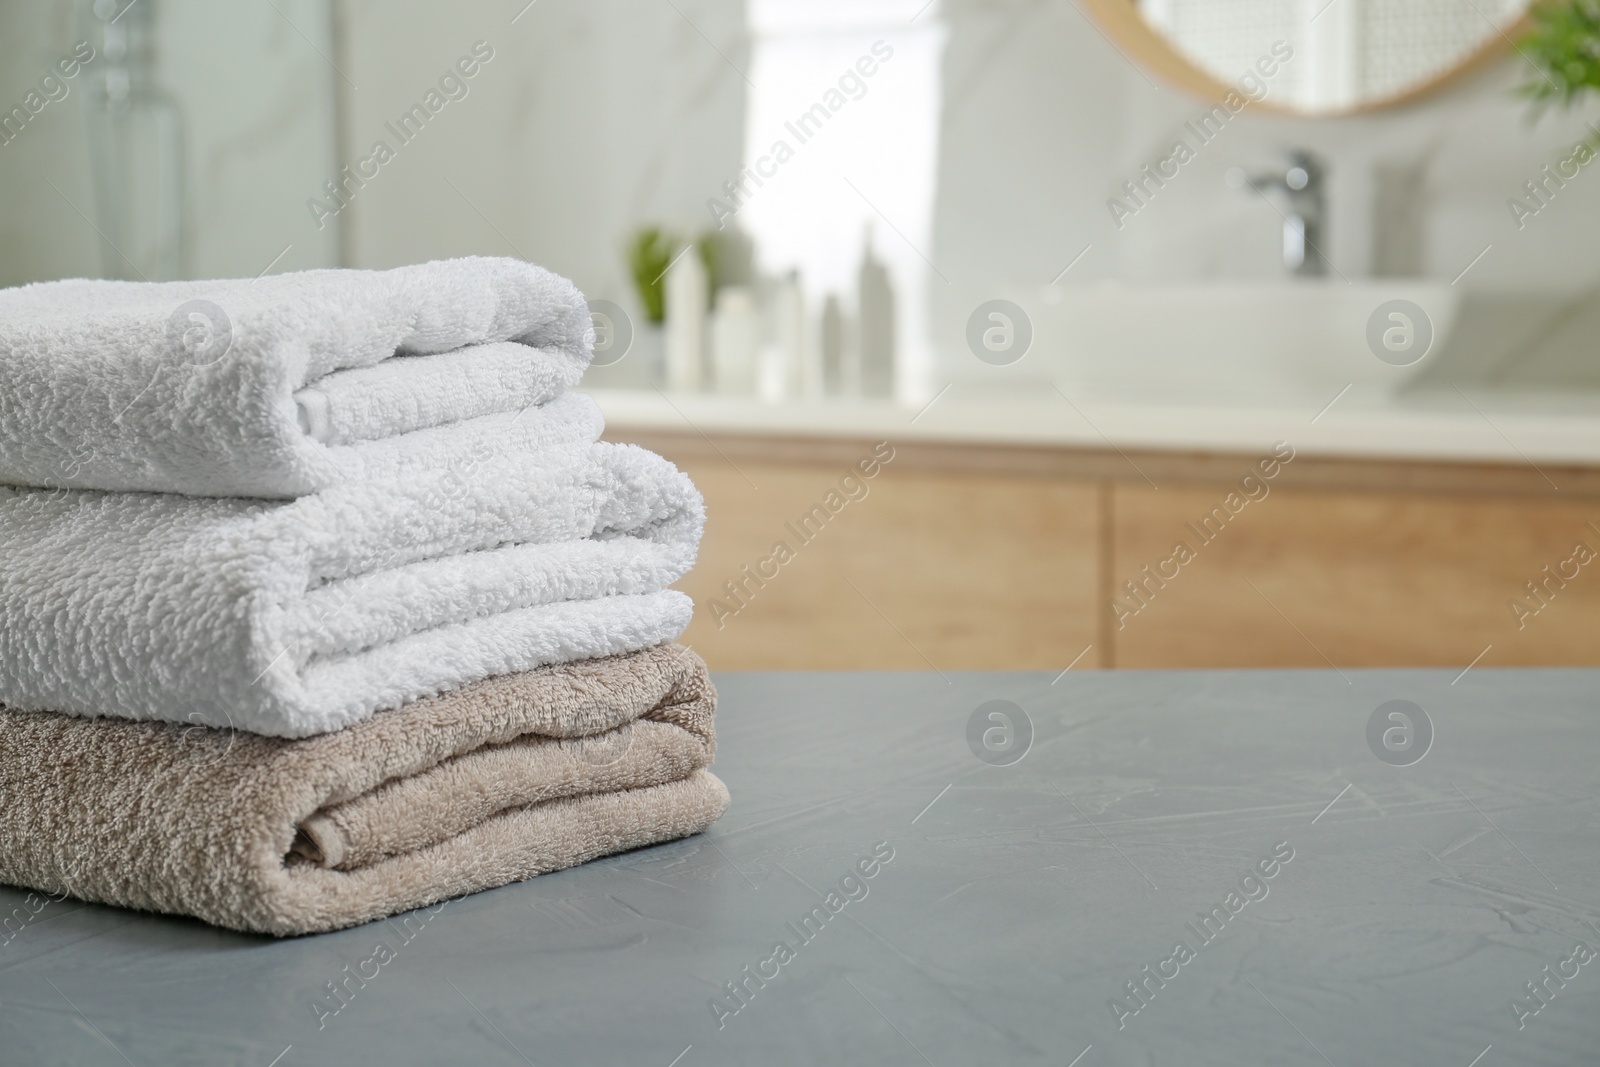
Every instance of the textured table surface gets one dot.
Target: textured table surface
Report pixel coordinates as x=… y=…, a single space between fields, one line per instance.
x=1407 y=909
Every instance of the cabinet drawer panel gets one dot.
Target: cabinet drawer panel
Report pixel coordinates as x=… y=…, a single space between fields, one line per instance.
x=960 y=571
x=1363 y=579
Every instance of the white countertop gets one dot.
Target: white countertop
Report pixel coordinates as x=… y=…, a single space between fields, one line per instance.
x=1476 y=426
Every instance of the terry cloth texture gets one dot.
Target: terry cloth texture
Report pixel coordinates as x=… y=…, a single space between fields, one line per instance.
x=298 y=617
x=276 y=387
x=494 y=783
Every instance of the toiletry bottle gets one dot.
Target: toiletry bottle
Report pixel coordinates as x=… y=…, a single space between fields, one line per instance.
x=686 y=294
x=875 y=329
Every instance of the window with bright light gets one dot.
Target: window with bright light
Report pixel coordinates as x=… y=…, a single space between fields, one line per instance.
x=842 y=133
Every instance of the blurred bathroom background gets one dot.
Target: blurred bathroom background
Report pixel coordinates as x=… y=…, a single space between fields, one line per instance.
x=978 y=159
x=787 y=214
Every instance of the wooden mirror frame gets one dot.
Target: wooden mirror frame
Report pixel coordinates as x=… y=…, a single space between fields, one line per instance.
x=1122 y=24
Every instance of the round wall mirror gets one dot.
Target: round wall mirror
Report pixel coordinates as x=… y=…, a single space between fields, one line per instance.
x=1311 y=57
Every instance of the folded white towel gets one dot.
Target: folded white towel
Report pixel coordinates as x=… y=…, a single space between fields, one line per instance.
x=568 y=421
x=300 y=617
x=275 y=387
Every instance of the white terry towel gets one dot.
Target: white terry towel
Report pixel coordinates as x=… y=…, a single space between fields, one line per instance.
x=275 y=387
x=300 y=617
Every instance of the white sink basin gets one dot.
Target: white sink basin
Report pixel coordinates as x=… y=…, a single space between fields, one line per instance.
x=1234 y=340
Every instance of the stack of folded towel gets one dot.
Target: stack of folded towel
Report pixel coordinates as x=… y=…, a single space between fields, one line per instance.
x=391 y=623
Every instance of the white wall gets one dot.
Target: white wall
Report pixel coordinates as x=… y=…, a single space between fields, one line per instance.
x=591 y=119
x=257 y=102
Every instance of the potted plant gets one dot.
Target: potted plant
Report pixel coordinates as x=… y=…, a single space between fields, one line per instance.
x=1563 y=44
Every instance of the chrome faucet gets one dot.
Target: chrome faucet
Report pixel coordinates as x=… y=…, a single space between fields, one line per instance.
x=1301 y=185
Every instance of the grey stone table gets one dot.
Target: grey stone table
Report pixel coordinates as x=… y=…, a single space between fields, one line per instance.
x=1182 y=868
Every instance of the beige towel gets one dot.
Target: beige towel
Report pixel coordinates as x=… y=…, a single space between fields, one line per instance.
x=493 y=783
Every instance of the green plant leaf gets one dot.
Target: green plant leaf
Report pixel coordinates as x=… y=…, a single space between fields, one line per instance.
x=1563 y=45
x=650 y=252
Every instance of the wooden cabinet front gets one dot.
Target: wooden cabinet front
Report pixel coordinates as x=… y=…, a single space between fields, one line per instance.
x=1309 y=578
x=910 y=570
x=952 y=557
